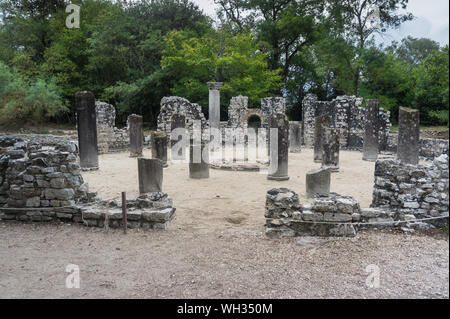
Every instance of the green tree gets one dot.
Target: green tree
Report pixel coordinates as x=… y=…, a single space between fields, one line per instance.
x=234 y=60
x=432 y=88
x=357 y=21
x=413 y=50
x=23 y=102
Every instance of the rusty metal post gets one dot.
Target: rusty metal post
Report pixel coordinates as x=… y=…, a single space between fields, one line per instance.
x=124 y=211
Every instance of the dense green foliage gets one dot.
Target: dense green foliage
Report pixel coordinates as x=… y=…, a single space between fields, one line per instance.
x=22 y=101
x=132 y=53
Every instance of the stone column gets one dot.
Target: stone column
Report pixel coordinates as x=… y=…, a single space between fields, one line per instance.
x=159 y=147
x=214 y=104
x=408 y=136
x=198 y=159
x=371 y=129
x=178 y=123
x=330 y=149
x=136 y=131
x=87 y=130
x=318 y=182
x=320 y=122
x=295 y=136
x=279 y=148
x=150 y=171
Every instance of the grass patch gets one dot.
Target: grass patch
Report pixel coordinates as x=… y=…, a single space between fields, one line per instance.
x=445 y=229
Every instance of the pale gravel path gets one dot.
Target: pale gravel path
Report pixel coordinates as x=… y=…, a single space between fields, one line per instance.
x=228 y=263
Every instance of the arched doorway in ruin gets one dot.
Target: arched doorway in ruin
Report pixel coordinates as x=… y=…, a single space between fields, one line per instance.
x=254 y=121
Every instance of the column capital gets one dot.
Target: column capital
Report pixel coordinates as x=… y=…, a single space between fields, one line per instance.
x=214 y=85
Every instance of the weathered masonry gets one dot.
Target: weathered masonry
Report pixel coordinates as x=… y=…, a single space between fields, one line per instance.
x=45 y=184
x=347 y=116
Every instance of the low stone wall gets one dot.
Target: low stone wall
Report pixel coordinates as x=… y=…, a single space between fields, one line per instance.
x=42 y=214
x=149 y=211
x=412 y=191
x=429 y=147
x=327 y=216
x=341 y=216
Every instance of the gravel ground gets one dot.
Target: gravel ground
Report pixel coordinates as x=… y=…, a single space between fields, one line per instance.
x=216 y=247
x=228 y=263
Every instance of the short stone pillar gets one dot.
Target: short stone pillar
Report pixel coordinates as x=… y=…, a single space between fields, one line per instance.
x=198 y=159
x=159 y=147
x=408 y=136
x=136 y=131
x=150 y=171
x=87 y=130
x=318 y=182
x=214 y=104
x=371 y=128
x=330 y=149
x=279 y=148
x=321 y=122
x=295 y=137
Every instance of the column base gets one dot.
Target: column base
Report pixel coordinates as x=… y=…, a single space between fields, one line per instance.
x=277 y=178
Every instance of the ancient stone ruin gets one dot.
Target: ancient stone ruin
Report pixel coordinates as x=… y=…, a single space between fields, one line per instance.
x=412 y=191
x=347 y=116
x=177 y=105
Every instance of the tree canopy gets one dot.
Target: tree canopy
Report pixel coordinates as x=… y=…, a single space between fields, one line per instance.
x=133 y=53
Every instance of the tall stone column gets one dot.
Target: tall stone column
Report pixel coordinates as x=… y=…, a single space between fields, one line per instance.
x=371 y=130
x=159 y=147
x=320 y=122
x=214 y=104
x=295 y=137
x=136 y=131
x=330 y=149
x=279 y=148
x=408 y=136
x=87 y=130
x=150 y=171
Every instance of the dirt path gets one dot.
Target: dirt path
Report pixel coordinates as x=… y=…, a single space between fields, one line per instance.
x=221 y=264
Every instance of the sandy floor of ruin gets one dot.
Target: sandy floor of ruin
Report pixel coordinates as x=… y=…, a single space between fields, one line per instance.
x=216 y=247
x=228 y=199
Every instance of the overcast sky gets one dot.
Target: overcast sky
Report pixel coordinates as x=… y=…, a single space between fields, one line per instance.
x=431 y=20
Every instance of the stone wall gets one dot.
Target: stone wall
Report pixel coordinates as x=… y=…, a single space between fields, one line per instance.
x=177 y=105
x=149 y=211
x=270 y=106
x=326 y=216
x=110 y=138
x=44 y=185
x=34 y=177
x=429 y=147
x=347 y=116
x=237 y=112
x=412 y=191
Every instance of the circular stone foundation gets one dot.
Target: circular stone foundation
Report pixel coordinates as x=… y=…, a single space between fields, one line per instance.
x=239 y=166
